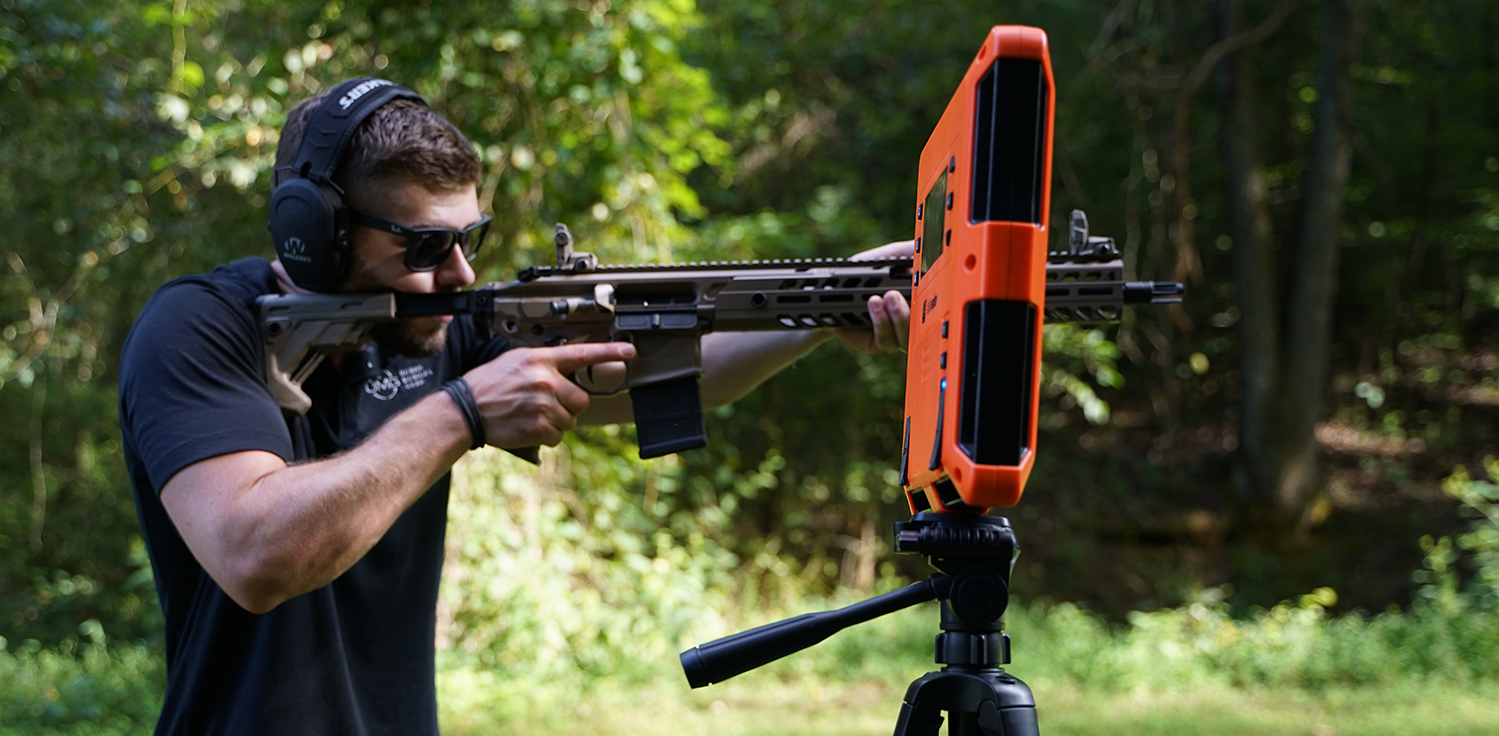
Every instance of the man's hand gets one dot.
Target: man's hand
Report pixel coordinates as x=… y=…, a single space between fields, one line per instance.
x=890 y=313
x=527 y=396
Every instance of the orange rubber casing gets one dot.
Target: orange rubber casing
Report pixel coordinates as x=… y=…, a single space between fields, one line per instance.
x=978 y=292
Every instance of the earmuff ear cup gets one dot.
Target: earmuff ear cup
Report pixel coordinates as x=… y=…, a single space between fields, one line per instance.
x=310 y=234
x=309 y=223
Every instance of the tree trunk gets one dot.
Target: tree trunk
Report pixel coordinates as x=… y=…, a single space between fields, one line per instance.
x=1248 y=215
x=1284 y=346
x=1315 y=263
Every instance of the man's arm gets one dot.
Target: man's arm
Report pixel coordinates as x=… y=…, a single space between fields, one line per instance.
x=267 y=532
x=735 y=364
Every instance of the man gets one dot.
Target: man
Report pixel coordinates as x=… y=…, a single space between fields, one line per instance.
x=297 y=558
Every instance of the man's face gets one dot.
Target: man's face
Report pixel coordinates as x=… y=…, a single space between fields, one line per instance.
x=378 y=261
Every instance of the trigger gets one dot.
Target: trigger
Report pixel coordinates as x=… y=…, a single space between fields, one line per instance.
x=585 y=380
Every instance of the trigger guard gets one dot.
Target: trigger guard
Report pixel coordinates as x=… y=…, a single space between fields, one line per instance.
x=623 y=387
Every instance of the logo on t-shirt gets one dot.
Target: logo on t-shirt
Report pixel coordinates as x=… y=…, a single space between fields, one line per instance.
x=383 y=386
x=386 y=385
x=413 y=376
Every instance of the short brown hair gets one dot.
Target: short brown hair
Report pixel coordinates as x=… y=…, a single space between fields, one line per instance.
x=403 y=141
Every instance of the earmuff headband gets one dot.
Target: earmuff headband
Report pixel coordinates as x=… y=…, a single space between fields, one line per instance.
x=334 y=121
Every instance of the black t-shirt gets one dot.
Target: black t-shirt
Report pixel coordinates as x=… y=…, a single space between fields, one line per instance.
x=353 y=657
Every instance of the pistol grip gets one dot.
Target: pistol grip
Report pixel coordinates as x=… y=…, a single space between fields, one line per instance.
x=530 y=454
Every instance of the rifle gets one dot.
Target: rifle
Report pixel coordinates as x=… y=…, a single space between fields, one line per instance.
x=664 y=309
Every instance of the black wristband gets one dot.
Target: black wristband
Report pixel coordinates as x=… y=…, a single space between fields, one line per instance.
x=462 y=395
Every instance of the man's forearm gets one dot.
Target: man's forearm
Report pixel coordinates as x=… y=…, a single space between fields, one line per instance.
x=268 y=532
x=735 y=364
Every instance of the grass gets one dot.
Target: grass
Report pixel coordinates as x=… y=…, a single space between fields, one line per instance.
x=1148 y=679
x=767 y=706
x=848 y=685
x=1408 y=709
x=1292 y=669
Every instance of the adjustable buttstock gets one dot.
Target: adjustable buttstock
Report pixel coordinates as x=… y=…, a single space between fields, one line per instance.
x=300 y=329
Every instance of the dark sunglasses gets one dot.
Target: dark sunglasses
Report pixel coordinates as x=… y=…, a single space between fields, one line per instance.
x=427 y=247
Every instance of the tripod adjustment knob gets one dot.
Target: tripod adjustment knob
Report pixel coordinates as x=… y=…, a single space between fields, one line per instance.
x=973 y=650
x=979 y=596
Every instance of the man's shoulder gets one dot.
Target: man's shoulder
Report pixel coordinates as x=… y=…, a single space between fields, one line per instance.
x=230 y=290
x=240 y=281
x=192 y=367
x=216 y=307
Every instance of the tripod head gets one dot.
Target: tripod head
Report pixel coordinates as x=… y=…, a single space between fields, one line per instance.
x=974 y=555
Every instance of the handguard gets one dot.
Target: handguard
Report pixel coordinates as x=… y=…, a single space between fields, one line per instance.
x=665 y=309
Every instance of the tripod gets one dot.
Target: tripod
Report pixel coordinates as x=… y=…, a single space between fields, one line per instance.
x=973 y=555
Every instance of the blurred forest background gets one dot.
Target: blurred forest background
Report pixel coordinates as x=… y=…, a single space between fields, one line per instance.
x=1301 y=444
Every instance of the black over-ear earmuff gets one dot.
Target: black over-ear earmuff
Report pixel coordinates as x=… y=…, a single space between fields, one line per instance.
x=309 y=220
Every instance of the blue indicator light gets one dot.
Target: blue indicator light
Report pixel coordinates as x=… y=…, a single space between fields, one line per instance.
x=944 y=384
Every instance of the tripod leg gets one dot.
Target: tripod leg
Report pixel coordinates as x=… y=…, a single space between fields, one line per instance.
x=969 y=724
x=922 y=719
x=991 y=721
x=994 y=721
x=925 y=719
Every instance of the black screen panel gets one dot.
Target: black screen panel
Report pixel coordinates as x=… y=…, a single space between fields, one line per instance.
x=933 y=222
x=1009 y=139
x=994 y=401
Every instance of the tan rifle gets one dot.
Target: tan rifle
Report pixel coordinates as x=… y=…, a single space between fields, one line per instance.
x=663 y=309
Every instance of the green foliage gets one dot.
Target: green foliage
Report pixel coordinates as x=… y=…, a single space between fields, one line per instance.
x=557 y=595
x=549 y=583
x=1289 y=646
x=78 y=133
x=171 y=113
x=1292 y=652
x=578 y=588
x=1070 y=352
x=79 y=688
x=1439 y=579
x=638 y=122
x=598 y=563
x=137 y=143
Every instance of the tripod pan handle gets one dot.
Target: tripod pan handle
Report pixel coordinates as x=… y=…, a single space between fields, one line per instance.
x=723 y=658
